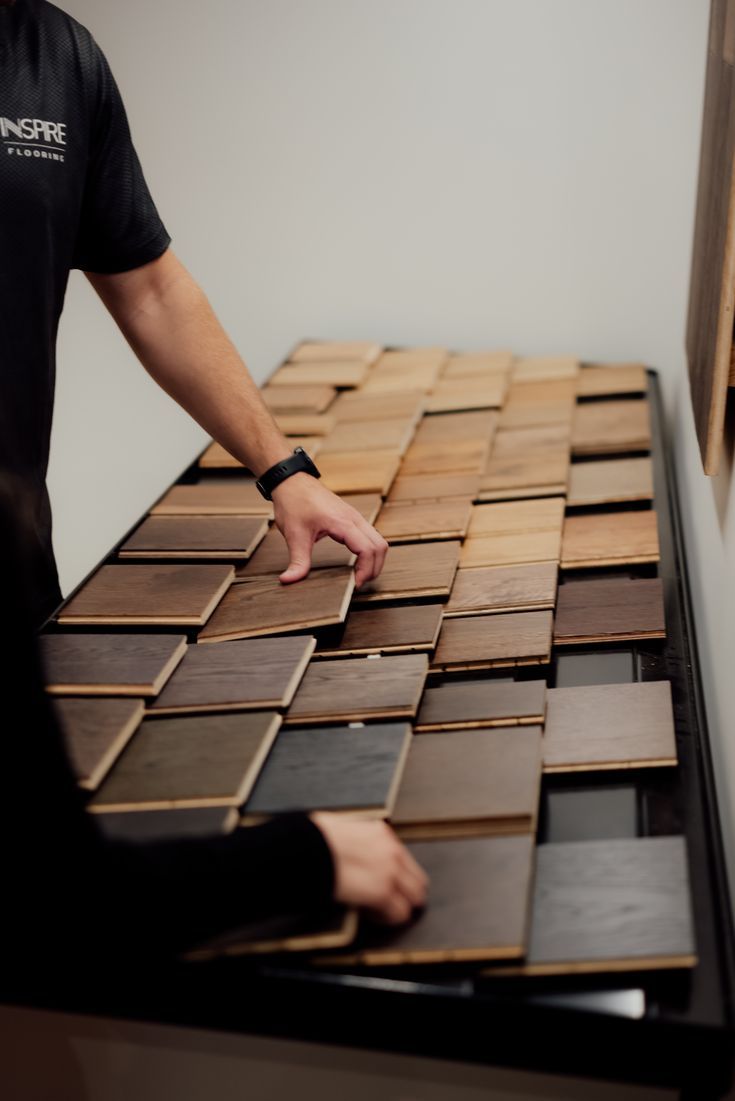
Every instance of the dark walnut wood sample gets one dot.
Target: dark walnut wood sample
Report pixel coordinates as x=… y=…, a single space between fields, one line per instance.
x=149 y=594
x=616 y=905
x=214 y=497
x=263 y=606
x=95 y=733
x=480 y=642
x=530 y=587
x=196 y=761
x=610 y=539
x=609 y=726
x=470 y=783
x=610 y=426
x=272 y=556
x=233 y=537
x=601 y=380
x=167 y=825
x=477 y=909
x=433 y=487
x=610 y=482
x=358 y=689
x=403 y=629
x=407 y=522
x=355 y=771
x=298 y=399
x=249 y=675
x=413 y=571
x=109 y=665
x=609 y=610
x=323 y=351
x=480 y=703
x=335 y=927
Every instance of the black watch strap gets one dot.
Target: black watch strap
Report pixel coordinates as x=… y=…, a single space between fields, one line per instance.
x=295 y=463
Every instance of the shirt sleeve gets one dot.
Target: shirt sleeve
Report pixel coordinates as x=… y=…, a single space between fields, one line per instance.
x=119 y=226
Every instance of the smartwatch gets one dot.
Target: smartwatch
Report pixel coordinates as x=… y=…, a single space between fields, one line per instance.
x=295 y=463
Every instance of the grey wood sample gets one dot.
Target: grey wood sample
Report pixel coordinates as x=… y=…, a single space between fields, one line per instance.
x=353 y=770
x=403 y=629
x=412 y=571
x=591 y=813
x=196 y=761
x=109 y=664
x=609 y=726
x=481 y=703
x=358 y=689
x=95 y=733
x=481 y=642
x=236 y=496
x=595 y=667
x=470 y=783
x=167 y=825
x=232 y=537
x=609 y=610
x=530 y=587
x=249 y=675
x=162 y=594
x=263 y=606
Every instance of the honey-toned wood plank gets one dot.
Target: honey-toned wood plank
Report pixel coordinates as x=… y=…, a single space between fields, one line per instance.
x=127 y=595
x=532 y=404
x=486 y=641
x=214 y=497
x=343 y=374
x=306 y=425
x=472 y=364
x=477 y=393
x=477 y=425
x=481 y=703
x=358 y=471
x=359 y=689
x=511 y=550
x=545 y=369
x=446 y=457
x=298 y=399
x=109 y=664
x=393 y=434
x=95 y=733
x=323 y=350
x=420 y=377
x=610 y=481
x=407 y=522
x=518 y=517
x=407 y=629
x=609 y=610
x=611 y=426
x=606 y=380
x=433 y=487
x=356 y=405
x=609 y=539
x=233 y=537
x=488 y=589
x=397 y=359
x=413 y=571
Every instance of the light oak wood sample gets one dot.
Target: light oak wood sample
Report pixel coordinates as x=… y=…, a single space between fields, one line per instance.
x=471 y=364
x=467 y=456
x=407 y=522
x=167 y=825
x=545 y=368
x=214 y=497
x=449 y=395
x=420 y=377
x=109 y=665
x=601 y=427
x=470 y=783
x=503 y=589
x=179 y=595
x=604 y=381
x=511 y=550
x=518 y=517
x=433 y=487
x=478 y=906
x=334 y=927
x=263 y=606
x=481 y=642
x=359 y=471
x=367 y=504
x=392 y=434
x=340 y=373
x=478 y=426
x=609 y=539
x=609 y=610
x=323 y=350
x=358 y=689
x=196 y=761
x=527 y=462
x=306 y=425
x=412 y=571
x=95 y=733
x=233 y=537
x=356 y=405
x=251 y=675
x=404 y=629
x=354 y=771
x=217 y=458
x=536 y=404
x=458 y=705
x=611 y=481
x=397 y=359
x=298 y=399
x=609 y=726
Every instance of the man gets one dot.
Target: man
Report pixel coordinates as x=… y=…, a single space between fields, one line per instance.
x=72 y=194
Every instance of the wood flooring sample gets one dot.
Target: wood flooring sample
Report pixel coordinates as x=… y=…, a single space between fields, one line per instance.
x=398 y=358
x=481 y=642
x=610 y=426
x=479 y=426
x=450 y=394
x=470 y=783
x=624 y=378
x=370 y=435
x=471 y=364
x=95 y=733
x=263 y=606
x=610 y=539
x=609 y=610
x=358 y=689
x=545 y=368
x=477 y=909
x=433 y=487
x=359 y=471
x=313 y=425
x=197 y=761
x=217 y=458
x=531 y=404
x=343 y=374
x=272 y=556
x=234 y=537
x=511 y=550
x=333 y=768
x=109 y=665
x=443 y=457
x=609 y=726
x=333 y=927
x=155 y=594
x=610 y=482
x=479 y=703
x=408 y=522
x=214 y=497
x=167 y=825
x=503 y=589
x=413 y=571
x=518 y=517
x=404 y=629
x=249 y=675
x=298 y=399
x=420 y=377
x=527 y=462
x=323 y=350
x=356 y=405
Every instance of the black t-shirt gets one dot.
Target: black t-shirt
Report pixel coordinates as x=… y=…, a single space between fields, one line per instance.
x=72 y=195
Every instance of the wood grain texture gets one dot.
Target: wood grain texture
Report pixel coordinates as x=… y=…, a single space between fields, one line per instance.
x=480 y=642
x=404 y=629
x=545 y=368
x=214 y=497
x=393 y=434
x=609 y=726
x=471 y=364
x=298 y=399
x=217 y=458
x=95 y=733
x=609 y=426
x=433 y=487
x=604 y=381
x=397 y=359
x=249 y=675
x=167 y=825
x=511 y=550
x=358 y=689
x=196 y=761
x=406 y=522
x=272 y=556
x=359 y=471
x=457 y=705
x=609 y=482
x=527 y=462
x=343 y=374
x=413 y=571
x=367 y=504
x=503 y=589
x=233 y=537
x=334 y=927
x=311 y=425
x=109 y=665
x=263 y=606
x=151 y=594
x=467 y=456
x=338 y=768
x=609 y=610
x=322 y=350
x=478 y=425
x=420 y=377
x=356 y=405
x=536 y=404
x=518 y=517
x=610 y=539
x=486 y=392
x=470 y=783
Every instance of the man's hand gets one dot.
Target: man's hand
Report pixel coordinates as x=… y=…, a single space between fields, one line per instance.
x=306 y=511
x=372 y=869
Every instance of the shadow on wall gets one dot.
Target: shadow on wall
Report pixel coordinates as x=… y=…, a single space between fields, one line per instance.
x=722 y=481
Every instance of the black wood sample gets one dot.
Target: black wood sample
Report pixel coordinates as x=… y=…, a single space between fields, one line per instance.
x=95 y=733
x=480 y=703
x=596 y=667
x=133 y=596
x=109 y=665
x=591 y=813
x=609 y=610
x=357 y=689
x=167 y=825
x=335 y=927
